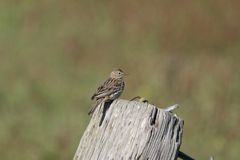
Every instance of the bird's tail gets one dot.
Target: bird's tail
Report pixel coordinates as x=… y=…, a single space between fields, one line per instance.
x=96 y=104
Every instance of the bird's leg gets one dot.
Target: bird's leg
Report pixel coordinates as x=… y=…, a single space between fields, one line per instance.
x=106 y=98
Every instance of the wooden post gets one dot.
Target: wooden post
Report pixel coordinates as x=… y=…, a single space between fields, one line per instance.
x=131 y=130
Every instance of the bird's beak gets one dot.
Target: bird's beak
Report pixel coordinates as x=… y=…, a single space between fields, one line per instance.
x=126 y=74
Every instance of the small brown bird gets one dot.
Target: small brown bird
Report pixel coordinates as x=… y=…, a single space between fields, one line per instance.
x=110 y=90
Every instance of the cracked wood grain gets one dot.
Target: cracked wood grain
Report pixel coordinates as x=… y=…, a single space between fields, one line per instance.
x=131 y=130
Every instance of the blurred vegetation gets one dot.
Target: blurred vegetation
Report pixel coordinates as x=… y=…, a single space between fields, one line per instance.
x=53 y=55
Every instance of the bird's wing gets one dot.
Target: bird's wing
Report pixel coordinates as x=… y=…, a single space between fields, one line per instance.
x=107 y=88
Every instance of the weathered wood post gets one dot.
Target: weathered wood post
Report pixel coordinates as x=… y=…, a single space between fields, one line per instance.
x=131 y=130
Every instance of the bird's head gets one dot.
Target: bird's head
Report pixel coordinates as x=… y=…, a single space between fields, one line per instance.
x=117 y=74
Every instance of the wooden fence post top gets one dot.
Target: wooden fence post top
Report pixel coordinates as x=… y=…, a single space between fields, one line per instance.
x=131 y=130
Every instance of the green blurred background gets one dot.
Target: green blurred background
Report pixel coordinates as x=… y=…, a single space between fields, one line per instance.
x=53 y=55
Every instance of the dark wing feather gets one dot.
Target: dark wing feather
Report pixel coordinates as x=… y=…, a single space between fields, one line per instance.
x=107 y=88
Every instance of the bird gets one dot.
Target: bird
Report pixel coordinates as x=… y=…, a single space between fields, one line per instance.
x=110 y=90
